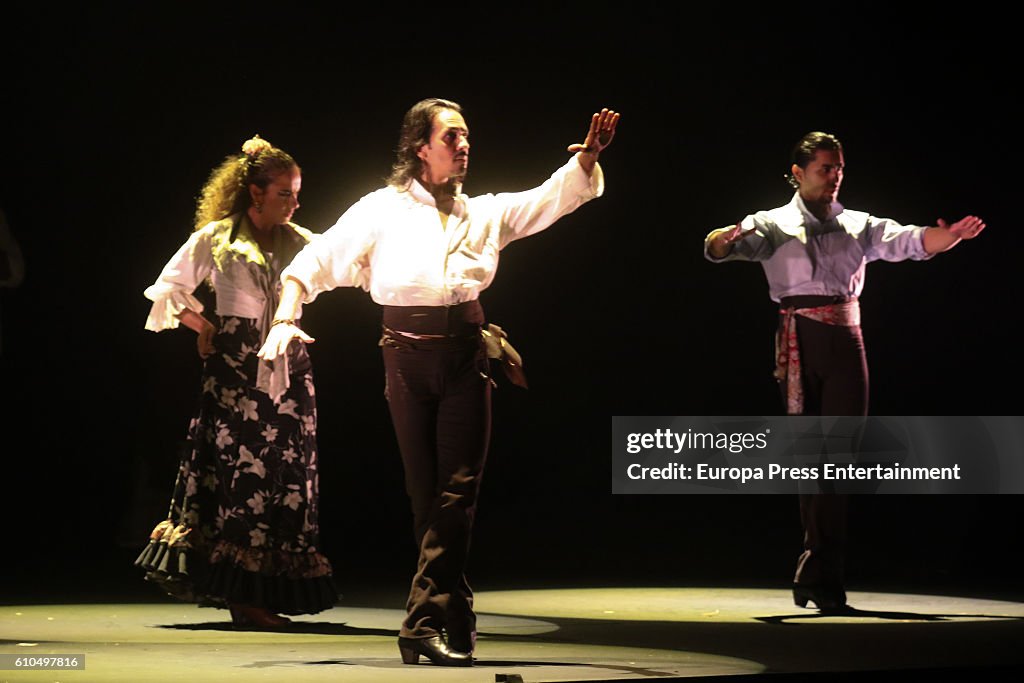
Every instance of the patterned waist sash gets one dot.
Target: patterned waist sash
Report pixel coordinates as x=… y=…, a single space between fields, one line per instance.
x=788 y=369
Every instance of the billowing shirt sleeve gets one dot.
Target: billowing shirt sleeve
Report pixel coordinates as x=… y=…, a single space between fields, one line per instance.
x=340 y=257
x=527 y=213
x=757 y=246
x=172 y=291
x=887 y=240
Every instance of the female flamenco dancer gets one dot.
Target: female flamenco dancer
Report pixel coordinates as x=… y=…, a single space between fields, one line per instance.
x=242 y=530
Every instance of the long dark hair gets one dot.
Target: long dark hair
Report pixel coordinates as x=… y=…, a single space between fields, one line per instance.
x=416 y=128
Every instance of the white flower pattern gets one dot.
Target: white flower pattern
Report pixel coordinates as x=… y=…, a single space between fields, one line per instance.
x=247 y=407
x=256 y=503
x=287 y=407
x=250 y=478
x=227 y=396
x=309 y=424
x=257 y=538
x=258 y=469
x=245 y=457
x=224 y=437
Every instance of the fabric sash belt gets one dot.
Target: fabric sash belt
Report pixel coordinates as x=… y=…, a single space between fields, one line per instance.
x=788 y=370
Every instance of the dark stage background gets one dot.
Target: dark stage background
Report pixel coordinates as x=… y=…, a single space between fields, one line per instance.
x=112 y=122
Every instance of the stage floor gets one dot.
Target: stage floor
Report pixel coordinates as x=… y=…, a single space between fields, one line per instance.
x=540 y=635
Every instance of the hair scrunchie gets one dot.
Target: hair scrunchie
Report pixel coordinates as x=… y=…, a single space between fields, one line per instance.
x=251 y=149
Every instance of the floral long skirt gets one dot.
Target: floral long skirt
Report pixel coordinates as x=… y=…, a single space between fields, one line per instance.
x=242 y=528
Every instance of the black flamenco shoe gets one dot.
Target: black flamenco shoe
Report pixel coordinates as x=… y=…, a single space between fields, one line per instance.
x=434 y=649
x=827 y=600
x=462 y=641
x=247 y=617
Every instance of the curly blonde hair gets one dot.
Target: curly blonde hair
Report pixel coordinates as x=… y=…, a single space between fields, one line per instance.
x=227 y=190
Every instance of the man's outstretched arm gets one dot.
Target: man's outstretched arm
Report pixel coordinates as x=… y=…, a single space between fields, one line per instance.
x=946 y=236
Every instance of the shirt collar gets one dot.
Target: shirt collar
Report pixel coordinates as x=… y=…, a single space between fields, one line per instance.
x=834 y=210
x=422 y=195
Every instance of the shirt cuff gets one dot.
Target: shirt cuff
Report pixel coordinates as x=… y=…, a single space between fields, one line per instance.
x=707 y=244
x=167 y=307
x=308 y=291
x=922 y=254
x=592 y=185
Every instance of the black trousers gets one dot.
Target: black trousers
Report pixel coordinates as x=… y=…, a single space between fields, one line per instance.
x=439 y=394
x=835 y=382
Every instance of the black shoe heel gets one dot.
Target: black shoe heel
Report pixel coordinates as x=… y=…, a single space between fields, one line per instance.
x=434 y=649
x=827 y=601
x=409 y=656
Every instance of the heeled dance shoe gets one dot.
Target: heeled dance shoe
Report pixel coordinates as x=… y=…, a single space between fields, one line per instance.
x=246 y=616
x=434 y=649
x=827 y=600
x=462 y=641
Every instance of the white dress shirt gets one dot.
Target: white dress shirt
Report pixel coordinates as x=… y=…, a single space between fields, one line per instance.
x=391 y=242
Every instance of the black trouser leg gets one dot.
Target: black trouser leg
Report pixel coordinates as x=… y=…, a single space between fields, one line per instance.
x=835 y=383
x=440 y=406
